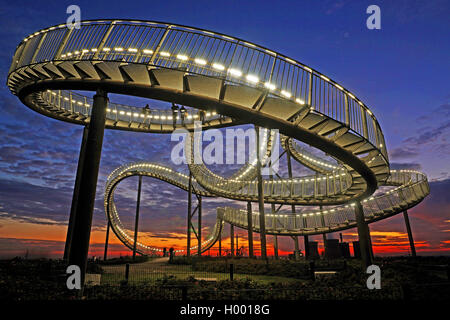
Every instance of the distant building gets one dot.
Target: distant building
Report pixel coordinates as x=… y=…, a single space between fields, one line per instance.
x=356 y=250
x=332 y=250
x=344 y=247
x=313 y=249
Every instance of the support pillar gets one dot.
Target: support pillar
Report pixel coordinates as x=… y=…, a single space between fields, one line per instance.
x=275 y=246
x=275 y=238
x=306 y=244
x=370 y=242
x=136 y=223
x=262 y=218
x=105 y=254
x=199 y=228
x=76 y=192
x=189 y=217
x=232 y=239
x=324 y=235
x=79 y=249
x=220 y=244
x=296 y=248
x=250 y=229
x=410 y=236
x=363 y=235
x=295 y=238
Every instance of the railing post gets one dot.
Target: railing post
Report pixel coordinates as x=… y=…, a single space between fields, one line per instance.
x=159 y=45
x=63 y=43
x=347 y=109
x=364 y=121
x=104 y=39
x=36 y=51
x=310 y=89
x=272 y=68
x=71 y=102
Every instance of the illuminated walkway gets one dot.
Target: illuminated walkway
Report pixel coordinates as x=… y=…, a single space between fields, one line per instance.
x=234 y=82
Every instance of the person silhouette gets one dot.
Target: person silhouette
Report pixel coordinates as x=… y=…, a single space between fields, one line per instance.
x=182 y=114
x=174 y=114
x=201 y=115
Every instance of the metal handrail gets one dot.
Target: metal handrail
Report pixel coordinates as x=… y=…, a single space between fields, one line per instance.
x=202 y=52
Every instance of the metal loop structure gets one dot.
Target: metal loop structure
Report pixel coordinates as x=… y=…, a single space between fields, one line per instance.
x=234 y=82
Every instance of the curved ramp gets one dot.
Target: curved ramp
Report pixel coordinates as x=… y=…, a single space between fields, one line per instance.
x=234 y=82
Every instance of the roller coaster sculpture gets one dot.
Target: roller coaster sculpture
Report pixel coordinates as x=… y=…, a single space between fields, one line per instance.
x=235 y=82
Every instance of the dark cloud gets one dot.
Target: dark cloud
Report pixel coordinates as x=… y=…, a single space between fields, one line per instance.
x=402 y=153
x=429 y=134
x=405 y=166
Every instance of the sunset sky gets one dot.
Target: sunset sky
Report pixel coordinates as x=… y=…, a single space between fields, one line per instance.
x=400 y=72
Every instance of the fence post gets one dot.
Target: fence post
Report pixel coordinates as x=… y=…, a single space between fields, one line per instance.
x=406 y=290
x=184 y=293
x=231 y=271
x=448 y=272
x=311 y=270
x=127 y=271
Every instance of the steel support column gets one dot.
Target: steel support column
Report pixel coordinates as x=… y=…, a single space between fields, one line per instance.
x=189 y=216
x=410 y=236
x=76 y=192
x=275 y=246
x=199 y=228
x=324 y=235
x=296 y=248
x=273 y=211
x=220 y=244
x=79 y=249
x=262 y=219
x=363 y=235
x=250 y=229
x=136 y=223
x=370 y=242
x=306 y=244
x=105 y=254
x=295 y=238
x=232 y=239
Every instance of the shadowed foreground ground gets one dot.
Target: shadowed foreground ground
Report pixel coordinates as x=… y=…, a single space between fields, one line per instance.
x=209 y=278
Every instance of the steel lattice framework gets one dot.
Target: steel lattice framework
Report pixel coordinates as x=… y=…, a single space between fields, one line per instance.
x=235 y=82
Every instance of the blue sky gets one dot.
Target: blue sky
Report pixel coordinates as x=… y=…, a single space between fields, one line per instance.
x=400 y=72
